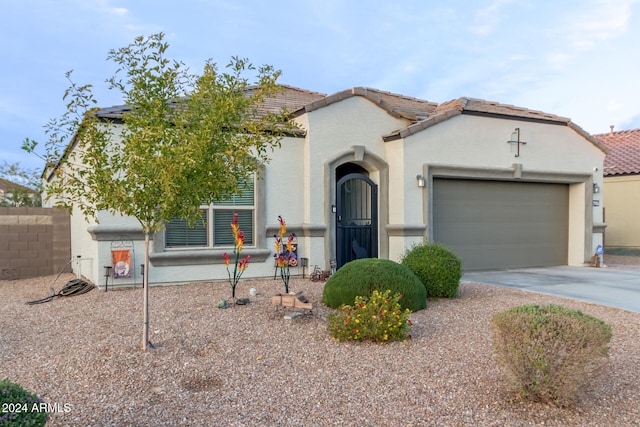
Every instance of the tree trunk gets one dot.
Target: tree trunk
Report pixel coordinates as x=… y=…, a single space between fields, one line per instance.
x=145 y=285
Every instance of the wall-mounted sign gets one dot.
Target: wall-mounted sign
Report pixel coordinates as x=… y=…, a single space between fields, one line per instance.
x=596 y=203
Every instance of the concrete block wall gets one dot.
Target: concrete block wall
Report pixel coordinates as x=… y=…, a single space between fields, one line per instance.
x=33 y=242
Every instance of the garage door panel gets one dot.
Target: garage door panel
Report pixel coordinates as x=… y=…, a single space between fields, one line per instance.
x=494 y=224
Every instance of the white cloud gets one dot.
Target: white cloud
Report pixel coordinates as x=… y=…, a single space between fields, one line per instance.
x=105 y=6
x=598 y=21
x=489 y=17
x=120 y=11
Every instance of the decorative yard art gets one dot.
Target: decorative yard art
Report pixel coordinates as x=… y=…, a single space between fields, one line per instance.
x=239 y=265
x=286 y=253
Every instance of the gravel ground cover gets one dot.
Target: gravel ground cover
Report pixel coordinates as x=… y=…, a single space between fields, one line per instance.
x=248 y=366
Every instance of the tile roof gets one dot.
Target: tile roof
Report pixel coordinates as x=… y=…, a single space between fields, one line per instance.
x=395 y=104
x=623 y=157
x=290 y=98
x=476 y=106
x=420 y=113
x=7 y=186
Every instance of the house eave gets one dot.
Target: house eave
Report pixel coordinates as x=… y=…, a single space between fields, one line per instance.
x=621 y=174
x=421 y=125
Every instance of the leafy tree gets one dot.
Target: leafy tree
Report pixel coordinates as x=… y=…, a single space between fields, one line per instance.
x=186 y=140
x=26 y=183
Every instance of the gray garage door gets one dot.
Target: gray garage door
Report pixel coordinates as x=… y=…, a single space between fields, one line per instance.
x=497 y=224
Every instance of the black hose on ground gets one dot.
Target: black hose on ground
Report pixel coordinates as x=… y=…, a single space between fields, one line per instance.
x=73 y=287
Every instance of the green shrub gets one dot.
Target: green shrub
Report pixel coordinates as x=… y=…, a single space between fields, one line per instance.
x=379 y=318
x=361 y=277
x=551 y=352
x=19 y=407
x=437 y=267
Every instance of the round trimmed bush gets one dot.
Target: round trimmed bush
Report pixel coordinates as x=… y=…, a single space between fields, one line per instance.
x=19 y=406
x=437 y=267
x=551 y=353
x=361 y=277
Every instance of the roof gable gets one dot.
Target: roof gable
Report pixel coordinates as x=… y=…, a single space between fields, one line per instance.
x=480 y=107
x=623 y=157
x=7 y=186
x=474 y=106
x=420 y=113
x=399 y=106
x=289 y=98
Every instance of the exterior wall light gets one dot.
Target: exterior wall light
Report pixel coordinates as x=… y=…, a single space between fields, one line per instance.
x=596 y=188
x=515 y=139
x=420 y=181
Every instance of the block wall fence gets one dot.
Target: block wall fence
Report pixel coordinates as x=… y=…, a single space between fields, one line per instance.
x=33 y=242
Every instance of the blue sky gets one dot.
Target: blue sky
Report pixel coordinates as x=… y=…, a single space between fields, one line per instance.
x=574 y=58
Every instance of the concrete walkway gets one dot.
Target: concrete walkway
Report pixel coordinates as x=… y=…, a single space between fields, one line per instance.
x=614 y=286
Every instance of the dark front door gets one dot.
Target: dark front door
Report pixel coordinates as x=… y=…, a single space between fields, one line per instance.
x=357 y=223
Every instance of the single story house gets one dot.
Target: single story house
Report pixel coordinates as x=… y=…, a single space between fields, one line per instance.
x=13 y=194
x=622 y=188
x=374 y=173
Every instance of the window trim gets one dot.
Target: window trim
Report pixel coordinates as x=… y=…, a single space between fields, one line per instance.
x=162 y=256
x=209 y=215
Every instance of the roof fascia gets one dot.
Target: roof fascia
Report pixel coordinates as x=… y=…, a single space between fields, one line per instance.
x=516 y=118
x=364 y=92
x=589 y=137
x=446 y=115
x=421 y=125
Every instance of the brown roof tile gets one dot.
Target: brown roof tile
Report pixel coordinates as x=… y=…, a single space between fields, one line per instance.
x=419 y=113
x=482 y=106
x=290 y=98
x=623 y=157
x=465 y=105
x=395 y=104
x=7 y=186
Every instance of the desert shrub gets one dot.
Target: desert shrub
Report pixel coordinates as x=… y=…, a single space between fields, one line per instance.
x=379 y=318
x=437 y=267
x=551 y=352
x=20 y=407
x=361 y=277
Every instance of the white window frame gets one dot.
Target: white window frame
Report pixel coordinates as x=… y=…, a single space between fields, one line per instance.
x=210 y=224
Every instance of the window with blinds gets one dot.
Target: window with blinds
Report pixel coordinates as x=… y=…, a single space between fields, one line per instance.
x=214 y=228
x=178 y=233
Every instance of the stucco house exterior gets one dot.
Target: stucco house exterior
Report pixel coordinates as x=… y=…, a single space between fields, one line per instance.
x=622 y=188
x=374 y=173
x=9 y=189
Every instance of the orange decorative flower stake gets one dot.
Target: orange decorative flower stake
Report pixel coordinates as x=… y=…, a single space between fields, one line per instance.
x=285 y=255
x=240 y=265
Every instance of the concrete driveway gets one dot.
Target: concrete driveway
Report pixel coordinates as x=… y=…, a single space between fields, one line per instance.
x=613 y=286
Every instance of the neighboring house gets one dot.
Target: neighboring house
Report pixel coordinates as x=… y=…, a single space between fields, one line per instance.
x=622 y=188
x=374 y=173
x=15 y=195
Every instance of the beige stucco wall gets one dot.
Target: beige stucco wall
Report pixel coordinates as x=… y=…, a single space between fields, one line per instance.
x=476 y=147
x=299 y=184
x=347 y=131
x=622 y=210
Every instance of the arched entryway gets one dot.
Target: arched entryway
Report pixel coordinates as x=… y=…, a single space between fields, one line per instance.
x=356 y=214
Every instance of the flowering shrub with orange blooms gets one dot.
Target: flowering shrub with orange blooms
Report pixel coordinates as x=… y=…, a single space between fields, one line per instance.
x=240 y=265
x=285 y=255
x=379 y=319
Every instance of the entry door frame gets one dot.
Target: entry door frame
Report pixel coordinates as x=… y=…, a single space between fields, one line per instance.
x=363 y=237
x=378 y=171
